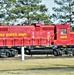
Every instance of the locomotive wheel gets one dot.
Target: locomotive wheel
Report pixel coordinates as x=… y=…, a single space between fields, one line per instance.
x=13 y=56
x=73 y=52
x=8 y=54
x=60 y=53
x=55 y=53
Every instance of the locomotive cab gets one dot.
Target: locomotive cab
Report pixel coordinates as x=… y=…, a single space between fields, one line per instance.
x=62 y=33
x=62 y=40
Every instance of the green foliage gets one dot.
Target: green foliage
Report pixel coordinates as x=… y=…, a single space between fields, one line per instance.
x=29 y=10
x=1 y=15
x=64 y=12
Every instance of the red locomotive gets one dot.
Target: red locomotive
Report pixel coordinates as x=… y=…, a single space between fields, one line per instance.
x=36 y=38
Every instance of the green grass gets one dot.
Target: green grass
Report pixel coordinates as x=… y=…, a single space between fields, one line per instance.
x=57 y=66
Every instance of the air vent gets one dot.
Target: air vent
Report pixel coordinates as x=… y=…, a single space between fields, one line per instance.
x=47 y=28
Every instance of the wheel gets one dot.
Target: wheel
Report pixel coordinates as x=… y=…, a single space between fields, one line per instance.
x=12 y=55
x=60 y=53
x=8 y=54
x=73 y=52
x=55 y=53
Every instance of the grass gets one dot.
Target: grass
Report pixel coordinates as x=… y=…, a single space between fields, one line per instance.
x=57 y=66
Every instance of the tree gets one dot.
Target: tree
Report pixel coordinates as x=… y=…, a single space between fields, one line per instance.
x=24 y=11
x=5 y=7
x=64 y=12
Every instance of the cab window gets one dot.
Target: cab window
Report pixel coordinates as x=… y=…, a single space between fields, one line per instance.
x=63 y=31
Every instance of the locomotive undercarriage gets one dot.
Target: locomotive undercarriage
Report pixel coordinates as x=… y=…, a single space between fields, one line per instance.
x=57 y=50
x=60 y=50
x=8 y=52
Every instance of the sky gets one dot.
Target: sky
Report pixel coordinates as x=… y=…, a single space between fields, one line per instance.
x=49 y=4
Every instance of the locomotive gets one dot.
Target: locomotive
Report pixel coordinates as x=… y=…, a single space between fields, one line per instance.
x=37 y=38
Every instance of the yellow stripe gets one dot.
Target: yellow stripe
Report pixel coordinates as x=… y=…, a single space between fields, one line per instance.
x=37 y=46
x=47 y=46
x=24 y=46
x=64 y=45
x=9 y=46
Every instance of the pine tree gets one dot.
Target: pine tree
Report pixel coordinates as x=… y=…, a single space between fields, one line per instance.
x=64 y=12
x=5 y=7
x=24 y=11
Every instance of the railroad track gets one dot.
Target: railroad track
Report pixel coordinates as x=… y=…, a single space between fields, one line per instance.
x=35 y=57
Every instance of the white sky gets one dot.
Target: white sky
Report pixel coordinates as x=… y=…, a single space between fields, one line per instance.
x=49 y=4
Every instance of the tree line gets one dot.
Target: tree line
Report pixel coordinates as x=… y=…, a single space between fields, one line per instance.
x=30 y=11
x=23 y=11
